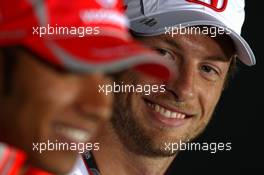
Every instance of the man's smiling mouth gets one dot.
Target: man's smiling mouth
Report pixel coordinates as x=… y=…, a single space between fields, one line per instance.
x=73 y=134
x=166 y=112
x=168 y=115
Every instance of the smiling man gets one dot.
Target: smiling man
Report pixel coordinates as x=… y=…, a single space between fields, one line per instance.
x=202 y=41
x=49 y=97
x=182 y=112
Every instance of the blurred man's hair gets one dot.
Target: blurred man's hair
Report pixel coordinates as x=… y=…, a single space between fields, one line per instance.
x=8 y=60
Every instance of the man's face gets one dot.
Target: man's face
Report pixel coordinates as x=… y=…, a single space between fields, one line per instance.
x=46 y=104
x=145 y=124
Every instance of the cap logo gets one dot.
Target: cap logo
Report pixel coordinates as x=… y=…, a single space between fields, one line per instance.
x=150 y=22
x=107 y=3
x=216 y=5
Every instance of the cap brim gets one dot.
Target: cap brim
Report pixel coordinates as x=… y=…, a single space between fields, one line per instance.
x=101 y=54
x=187 y=18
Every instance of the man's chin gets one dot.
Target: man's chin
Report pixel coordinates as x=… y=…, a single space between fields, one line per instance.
x=59 y=162
x=163 y=148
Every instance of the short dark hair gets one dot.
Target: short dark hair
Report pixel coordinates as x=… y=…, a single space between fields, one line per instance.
x=10 y=56
x=9 y=62
x=231 y=71
x=231 y=53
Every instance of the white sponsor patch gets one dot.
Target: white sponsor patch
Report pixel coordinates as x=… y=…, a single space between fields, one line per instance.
x=107 y=3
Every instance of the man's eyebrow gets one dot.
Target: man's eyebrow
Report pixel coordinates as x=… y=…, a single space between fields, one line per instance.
x=175 y=44
x=218 y=58
x=172 y=43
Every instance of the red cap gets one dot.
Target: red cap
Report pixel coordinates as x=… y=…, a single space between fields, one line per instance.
x=80 y=35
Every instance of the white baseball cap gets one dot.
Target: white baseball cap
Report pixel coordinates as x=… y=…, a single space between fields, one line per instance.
x=151 y=17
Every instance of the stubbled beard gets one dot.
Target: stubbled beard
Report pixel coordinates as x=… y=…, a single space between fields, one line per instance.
x=132 y=135
x=136 y=139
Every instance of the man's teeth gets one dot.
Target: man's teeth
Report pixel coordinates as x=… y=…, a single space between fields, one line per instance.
x=165 y=112
x=76 y=135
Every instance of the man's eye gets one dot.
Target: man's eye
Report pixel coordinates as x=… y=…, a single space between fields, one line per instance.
x=165 y=53
x=208 y=69
x=209 y=72
x=162 y=52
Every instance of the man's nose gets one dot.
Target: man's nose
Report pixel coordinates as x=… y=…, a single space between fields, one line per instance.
x=183 y=84
x=90 y=101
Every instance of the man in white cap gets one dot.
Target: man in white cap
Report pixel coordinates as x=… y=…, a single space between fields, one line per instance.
x=202 y=41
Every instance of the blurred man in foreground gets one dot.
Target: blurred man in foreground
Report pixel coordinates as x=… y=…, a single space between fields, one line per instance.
x=52 y=59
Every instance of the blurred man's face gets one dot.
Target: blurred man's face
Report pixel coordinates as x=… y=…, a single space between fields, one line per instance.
x=46 y=104
x=145 y=124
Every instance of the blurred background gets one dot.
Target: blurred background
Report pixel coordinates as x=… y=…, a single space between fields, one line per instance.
x=237 y=118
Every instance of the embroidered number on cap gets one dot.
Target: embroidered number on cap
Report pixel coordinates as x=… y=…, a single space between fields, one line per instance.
x=216 y=5
x=149 y=21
